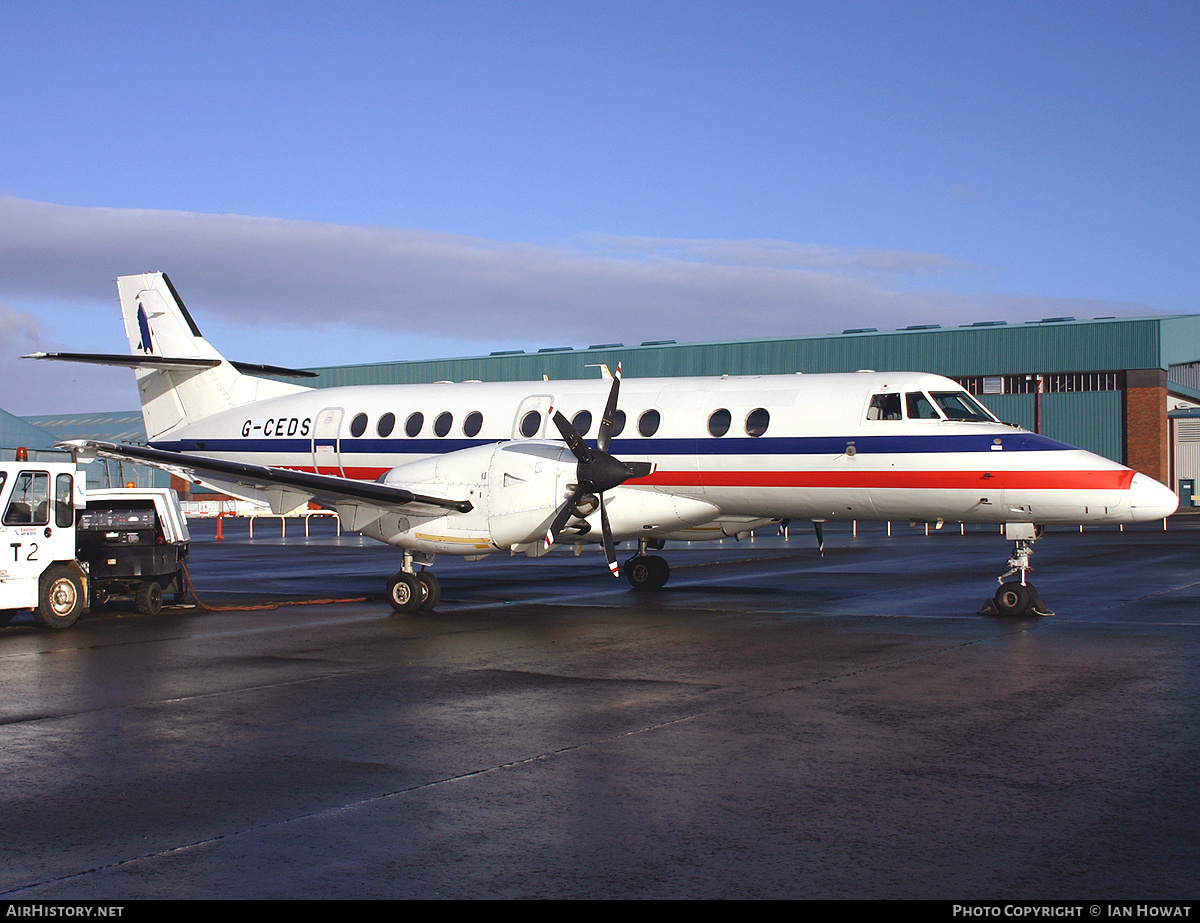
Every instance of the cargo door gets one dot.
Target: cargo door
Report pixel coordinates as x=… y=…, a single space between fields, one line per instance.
x=326 y=454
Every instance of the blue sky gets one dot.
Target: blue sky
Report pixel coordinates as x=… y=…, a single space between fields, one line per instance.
x=355 y=182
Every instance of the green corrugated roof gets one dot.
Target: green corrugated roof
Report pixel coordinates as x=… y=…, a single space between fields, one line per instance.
x=116 y=426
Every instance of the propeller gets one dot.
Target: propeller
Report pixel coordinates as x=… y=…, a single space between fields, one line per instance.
x=596 y=471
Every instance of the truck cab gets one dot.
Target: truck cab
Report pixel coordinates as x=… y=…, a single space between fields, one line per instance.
x=38 y=566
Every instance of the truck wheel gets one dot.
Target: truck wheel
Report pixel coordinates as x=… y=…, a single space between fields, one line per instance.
x=60 y=601
x=150 y=598
x=6 y=616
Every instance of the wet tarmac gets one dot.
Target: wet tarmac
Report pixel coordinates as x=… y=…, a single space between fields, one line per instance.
x=772 y=724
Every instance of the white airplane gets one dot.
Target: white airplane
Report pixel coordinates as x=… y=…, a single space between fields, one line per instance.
x=474 y=468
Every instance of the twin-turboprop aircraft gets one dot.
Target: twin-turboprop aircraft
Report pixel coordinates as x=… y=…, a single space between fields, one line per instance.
x=474 y=468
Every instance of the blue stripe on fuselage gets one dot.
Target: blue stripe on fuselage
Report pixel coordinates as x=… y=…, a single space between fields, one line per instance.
x=744 y=445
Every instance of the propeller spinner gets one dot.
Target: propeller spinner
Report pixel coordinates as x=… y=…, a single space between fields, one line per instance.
x=596 y=472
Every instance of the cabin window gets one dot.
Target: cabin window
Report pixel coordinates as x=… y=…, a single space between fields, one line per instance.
x=958 y=405
x=884 y=407
x=531 y=423
x=757 y=422
x=473 y=423
x=442 y=424
x=358 y=425
x=618 y=423
x=718 y=422
x=413 y=424
x=582 y=422
x=386 y=424
x=648 y=422
x=919 y=407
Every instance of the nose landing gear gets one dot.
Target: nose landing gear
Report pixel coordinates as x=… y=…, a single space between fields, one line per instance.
x=1018 y=597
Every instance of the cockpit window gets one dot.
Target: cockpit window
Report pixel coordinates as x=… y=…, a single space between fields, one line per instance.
x=29 y=504
x=958 y=405
x=884 y=407
x=919 y=407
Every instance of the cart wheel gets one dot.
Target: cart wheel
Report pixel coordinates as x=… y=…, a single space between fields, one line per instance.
x=150 y=598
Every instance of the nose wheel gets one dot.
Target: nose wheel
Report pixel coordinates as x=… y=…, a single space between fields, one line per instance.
x=1018 y=597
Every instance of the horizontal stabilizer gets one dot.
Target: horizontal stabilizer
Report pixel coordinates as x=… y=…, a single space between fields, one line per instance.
x=167 y=362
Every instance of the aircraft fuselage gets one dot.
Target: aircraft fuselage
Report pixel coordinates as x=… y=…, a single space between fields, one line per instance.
x=769 y=447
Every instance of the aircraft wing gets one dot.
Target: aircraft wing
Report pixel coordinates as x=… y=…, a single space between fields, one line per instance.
x=281 y=488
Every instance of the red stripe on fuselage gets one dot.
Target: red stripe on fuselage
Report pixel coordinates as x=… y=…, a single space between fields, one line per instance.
x=1110 y=479
x=898 y=480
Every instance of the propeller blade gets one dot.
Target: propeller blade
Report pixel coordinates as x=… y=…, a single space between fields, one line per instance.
x=610 y=550
x=560 y=518
x=820 y=537
x=604 y=435
x=580 y=449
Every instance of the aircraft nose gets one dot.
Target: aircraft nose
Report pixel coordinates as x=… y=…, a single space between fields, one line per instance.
x=1149 y=500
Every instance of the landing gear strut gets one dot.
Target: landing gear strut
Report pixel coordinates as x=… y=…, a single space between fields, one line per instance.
x=410 y=591
x=1018 y=597
x=647 y=571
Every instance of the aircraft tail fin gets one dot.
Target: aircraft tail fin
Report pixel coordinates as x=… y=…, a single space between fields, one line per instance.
x=173 y=393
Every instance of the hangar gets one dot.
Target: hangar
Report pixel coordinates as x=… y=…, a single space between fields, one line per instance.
x=1106 y=384
x=1127 y=388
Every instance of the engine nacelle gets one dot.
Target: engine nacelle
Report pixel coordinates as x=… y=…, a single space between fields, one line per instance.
x=514 y=488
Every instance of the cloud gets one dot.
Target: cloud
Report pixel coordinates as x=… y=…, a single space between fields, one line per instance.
x=782 y=254
x=18 y=330
x=271 y=271
x=335 y=294
x=38 y=387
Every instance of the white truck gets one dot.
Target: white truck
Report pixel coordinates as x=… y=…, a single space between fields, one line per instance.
x=64 y=548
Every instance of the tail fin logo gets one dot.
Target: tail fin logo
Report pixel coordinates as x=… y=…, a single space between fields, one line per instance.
x=147 y=343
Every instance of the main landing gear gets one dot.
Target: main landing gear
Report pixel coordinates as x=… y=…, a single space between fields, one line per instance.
x=647 y=571
x=412 y=591
x=1018 y=597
